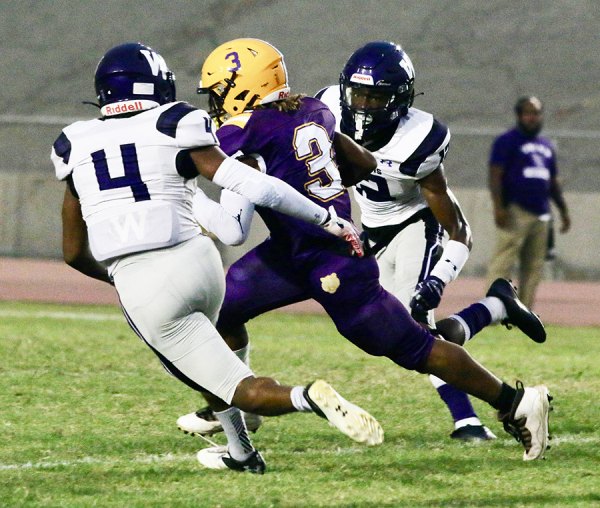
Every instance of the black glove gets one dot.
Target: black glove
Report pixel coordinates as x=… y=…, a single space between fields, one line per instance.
x=427 y=295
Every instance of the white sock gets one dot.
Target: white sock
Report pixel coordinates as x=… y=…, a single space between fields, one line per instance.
x=436 y=381
x=473 y=420
x=299 y=400
x=496 y=308
x=238 y=442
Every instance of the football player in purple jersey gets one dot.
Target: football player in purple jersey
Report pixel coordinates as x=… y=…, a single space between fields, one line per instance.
x=127 y=219
x=294 y=138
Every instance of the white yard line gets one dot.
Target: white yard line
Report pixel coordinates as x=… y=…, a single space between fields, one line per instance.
x=185 y=457
x=103 y=461
x=42 y=314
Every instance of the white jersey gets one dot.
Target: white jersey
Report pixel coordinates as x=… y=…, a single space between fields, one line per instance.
x=125 y=174
x=391 y=194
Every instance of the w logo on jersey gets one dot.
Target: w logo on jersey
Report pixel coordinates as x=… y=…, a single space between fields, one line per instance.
x=130 y=226
x=156 y=62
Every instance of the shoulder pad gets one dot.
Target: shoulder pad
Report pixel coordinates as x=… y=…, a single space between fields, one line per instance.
x=169 y=119
x=430 y=153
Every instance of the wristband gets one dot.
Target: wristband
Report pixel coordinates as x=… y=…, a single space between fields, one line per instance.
x=453 y=259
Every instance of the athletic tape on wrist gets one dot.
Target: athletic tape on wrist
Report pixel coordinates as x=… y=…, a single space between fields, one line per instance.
x=453 y=259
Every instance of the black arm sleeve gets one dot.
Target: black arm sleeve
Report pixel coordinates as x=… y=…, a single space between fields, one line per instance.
x=185 y=165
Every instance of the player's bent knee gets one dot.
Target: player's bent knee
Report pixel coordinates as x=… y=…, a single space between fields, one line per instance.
x=451 y=330
x=251 y=393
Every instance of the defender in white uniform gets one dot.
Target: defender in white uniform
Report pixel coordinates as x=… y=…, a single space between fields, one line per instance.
x=401 y=229
x=130 y=181
x=413 y=222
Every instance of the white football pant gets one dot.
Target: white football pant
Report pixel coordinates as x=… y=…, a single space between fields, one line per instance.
x=171 y=298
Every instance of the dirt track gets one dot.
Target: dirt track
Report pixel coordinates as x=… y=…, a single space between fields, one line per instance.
x=562 y=303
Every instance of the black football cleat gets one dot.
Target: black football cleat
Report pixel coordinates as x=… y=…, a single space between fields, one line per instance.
x=518 y=315
x=218 y=457
x=253 y=464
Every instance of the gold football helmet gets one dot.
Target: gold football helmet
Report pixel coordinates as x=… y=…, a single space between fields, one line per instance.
x=241 y=74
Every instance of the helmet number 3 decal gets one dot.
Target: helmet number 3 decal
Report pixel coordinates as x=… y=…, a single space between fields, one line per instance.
x=235 y=60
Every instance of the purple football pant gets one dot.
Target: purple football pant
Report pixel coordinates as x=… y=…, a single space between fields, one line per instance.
x=348 y=288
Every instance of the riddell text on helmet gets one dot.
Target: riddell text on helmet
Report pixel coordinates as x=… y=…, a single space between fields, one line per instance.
x=124 y=107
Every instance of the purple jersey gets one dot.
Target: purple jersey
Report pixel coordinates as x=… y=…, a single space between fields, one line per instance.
x=295 y=147
x=529 y=165
x=300 y=261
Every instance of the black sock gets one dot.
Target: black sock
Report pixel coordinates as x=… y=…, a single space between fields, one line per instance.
x=504 y=402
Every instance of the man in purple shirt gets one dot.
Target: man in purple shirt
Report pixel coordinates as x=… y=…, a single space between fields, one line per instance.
x=293 y=137
x=523 y=180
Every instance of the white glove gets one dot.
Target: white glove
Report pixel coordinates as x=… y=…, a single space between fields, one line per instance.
x=343 y=229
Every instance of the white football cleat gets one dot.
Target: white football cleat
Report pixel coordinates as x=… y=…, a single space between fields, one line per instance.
x=204 y=422
x=211 y=458
x=217 y=457
x=528 y=420
x=348 y=418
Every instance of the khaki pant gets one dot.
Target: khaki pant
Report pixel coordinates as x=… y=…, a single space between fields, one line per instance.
x=525 y=243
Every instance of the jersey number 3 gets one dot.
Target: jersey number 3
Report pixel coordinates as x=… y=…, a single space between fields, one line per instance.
x=131 y=178
x=313 y=146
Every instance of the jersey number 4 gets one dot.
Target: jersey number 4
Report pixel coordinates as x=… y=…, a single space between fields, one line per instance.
x=131 y=178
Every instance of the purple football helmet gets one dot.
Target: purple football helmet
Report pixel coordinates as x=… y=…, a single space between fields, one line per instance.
x=376 y=89
x=133 y=77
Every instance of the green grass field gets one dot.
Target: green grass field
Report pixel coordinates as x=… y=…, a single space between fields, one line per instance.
x=88 y=419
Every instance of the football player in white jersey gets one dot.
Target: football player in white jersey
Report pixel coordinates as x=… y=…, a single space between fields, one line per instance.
x=127 y=219
x=406 y=206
